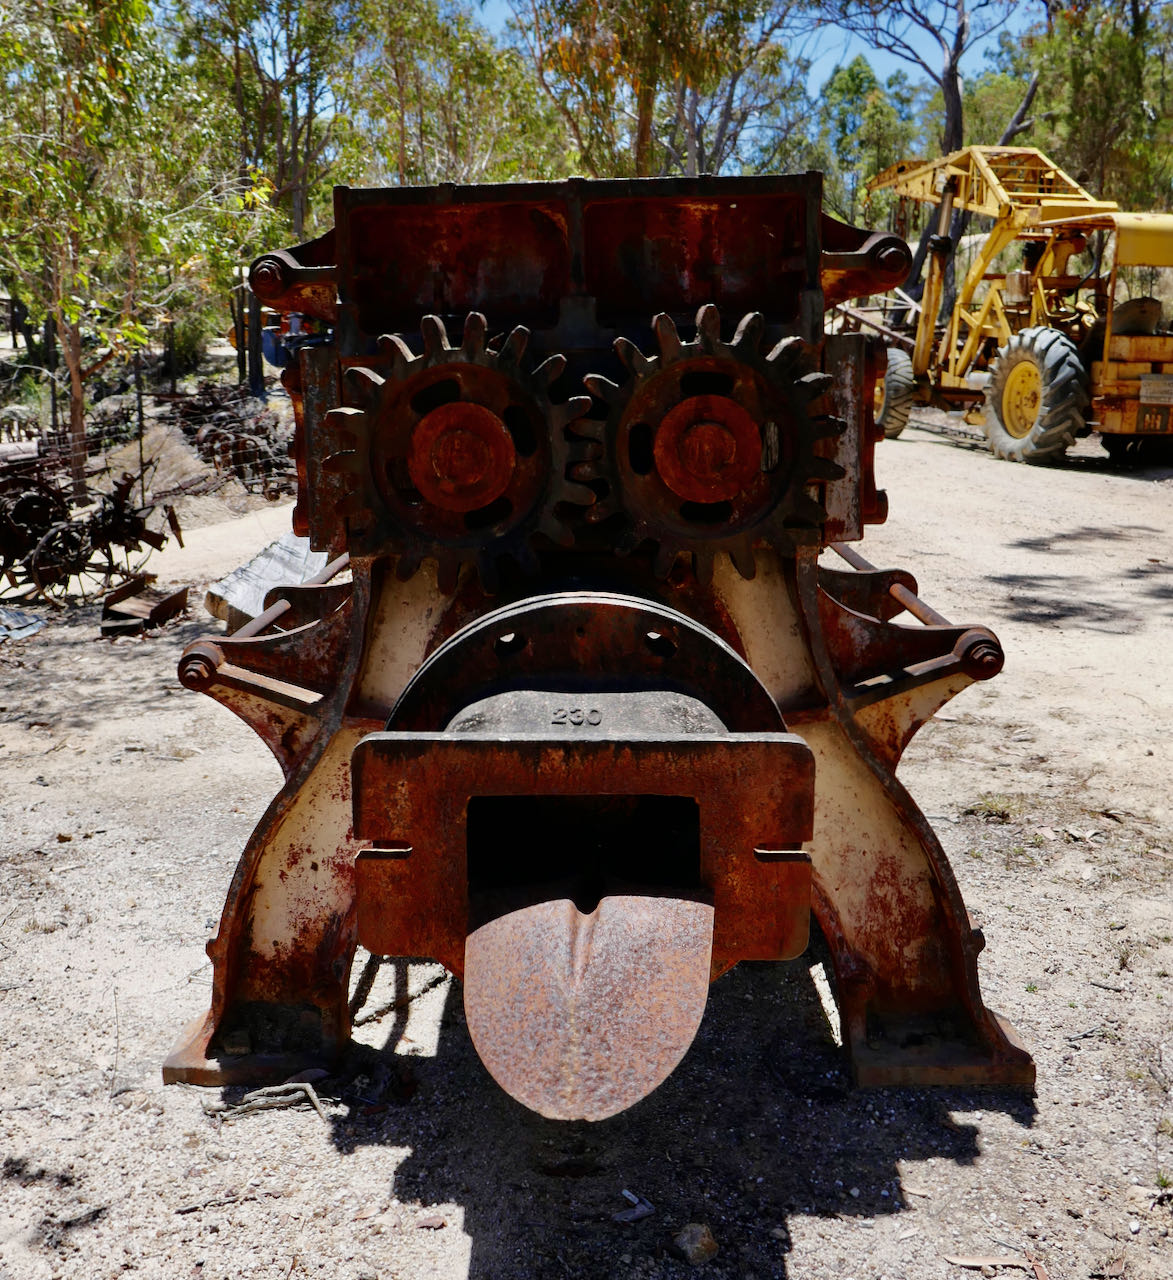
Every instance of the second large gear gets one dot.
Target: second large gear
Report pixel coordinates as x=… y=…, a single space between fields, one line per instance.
x=713 y=445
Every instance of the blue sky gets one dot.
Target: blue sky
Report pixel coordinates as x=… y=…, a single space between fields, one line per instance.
x=830 y=47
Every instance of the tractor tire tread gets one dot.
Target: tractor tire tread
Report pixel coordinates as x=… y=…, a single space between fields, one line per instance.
x=1063 y=398
x=899 y=393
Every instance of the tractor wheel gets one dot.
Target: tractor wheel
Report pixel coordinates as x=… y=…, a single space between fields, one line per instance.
x=1035 y=397
x=897 y=393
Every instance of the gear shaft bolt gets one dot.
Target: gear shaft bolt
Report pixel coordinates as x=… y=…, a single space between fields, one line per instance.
x=461 y=457
x=708 y=449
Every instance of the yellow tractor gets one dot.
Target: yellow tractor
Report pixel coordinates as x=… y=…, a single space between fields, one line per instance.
x=1048 y=340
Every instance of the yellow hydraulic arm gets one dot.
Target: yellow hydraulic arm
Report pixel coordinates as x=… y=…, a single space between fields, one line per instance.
x=1021 y=189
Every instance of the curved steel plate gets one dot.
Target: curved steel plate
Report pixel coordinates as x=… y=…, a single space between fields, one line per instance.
x=579 y=1016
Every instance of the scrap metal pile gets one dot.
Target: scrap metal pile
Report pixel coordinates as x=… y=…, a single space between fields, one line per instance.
x=238 y=437
x=51 y=550
x=587 y=721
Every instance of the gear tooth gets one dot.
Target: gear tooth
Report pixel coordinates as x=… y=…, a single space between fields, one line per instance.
x=587 y=438
x=363 y=384
x=667 y=337
x=603 y=388
x=816 y=384
x=393 y=349
x=748 y=337
x=578 y=495
x=787 y=352
x=708 y=327
x=825 y=469
x=574 y=408
x=343 y=417
x=513 y=348
x=346 y=461
x=408 y=563
x=633 y=358
x=472 y=345
x=827 y=427
x=447 y=572
x=555 y=530
x=808 y=511
x=549 y=370
x=582 y=451
x=348 y=440
x=587 y=430
x=435 y=337
x=603 y=509
x=352 y=505
x=741 y=553
x=702 y=565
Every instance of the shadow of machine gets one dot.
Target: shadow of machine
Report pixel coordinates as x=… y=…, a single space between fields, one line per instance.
x=575 y=709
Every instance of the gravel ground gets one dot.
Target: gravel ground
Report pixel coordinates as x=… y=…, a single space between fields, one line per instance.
x=127 y=801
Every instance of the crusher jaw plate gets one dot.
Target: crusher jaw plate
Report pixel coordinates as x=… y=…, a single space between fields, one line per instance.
x=578 y=708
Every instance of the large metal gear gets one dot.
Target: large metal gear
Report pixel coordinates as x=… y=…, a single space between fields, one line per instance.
x=457 y=454
x=713 y=445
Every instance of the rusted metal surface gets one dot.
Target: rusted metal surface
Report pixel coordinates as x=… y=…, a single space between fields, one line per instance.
x=418 y=900
x=579 y=1014
x=584 y=719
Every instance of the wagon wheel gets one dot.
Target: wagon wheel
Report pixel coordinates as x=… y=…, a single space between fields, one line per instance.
x=67 y=566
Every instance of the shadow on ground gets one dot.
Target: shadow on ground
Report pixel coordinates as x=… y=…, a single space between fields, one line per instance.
x=757 y=1125
x=49 y=687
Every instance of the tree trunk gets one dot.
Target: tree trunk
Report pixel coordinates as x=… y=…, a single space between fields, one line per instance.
x=51 y=365
x=645 y=100
x=400 y=94
x=690 y=127
x=961 y=219
x=71 y=353
x=256 y=367
x=953 y=139
x=236 y=299
x=22 y=324
x=1018 y=121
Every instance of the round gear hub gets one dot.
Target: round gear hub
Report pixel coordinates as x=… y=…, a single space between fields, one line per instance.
x=713 y=445
x=458 y=455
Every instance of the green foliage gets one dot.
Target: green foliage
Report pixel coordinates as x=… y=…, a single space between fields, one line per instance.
x=276 y=66
x=989 y=102
x=931 y=35
x=649 y=87
x=1105 y=69
x=147 y=153
x=863 y=127
x=433 y=97
x=115 y=195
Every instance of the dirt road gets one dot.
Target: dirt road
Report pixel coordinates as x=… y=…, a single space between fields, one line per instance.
x=126 y=801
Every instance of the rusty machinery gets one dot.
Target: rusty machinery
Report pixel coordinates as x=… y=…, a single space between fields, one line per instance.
x=60 y=554
x=586 y=721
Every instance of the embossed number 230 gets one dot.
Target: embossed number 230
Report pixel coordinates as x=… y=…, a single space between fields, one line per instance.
x=577 y=716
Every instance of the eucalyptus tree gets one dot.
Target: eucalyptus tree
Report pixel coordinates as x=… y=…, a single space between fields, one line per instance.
x=649 y=87
x=278 y=64
x=112 y=187
x=434 y=96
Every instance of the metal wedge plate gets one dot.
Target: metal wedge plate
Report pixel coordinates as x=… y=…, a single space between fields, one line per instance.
x=579 y=1016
